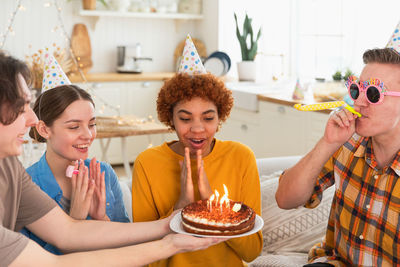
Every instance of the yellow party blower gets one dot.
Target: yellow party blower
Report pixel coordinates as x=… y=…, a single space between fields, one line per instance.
x=326 y=105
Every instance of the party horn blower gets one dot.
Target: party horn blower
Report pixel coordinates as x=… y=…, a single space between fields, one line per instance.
x=326 y=105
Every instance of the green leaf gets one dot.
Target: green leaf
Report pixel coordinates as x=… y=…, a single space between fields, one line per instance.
x=258 y=34
x=245 y=27
x=337 y=76
x=103 y=2
x=248 y=45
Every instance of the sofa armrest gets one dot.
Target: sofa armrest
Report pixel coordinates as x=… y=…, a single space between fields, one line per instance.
x=267 y=166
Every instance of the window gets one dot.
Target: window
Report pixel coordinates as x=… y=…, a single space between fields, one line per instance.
x=310 y=38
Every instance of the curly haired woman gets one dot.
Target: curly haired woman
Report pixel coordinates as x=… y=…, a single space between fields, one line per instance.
x=170 y=176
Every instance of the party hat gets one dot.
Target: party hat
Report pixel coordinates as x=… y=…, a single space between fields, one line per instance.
x=394 y=41
x=53 y=75
x=191 y=62
x=298 y=93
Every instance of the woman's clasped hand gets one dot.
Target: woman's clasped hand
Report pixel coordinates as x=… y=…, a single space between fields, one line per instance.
x=187 y=190
x=88 y=193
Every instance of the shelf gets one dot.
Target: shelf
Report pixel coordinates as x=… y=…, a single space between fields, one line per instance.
x=106 y=13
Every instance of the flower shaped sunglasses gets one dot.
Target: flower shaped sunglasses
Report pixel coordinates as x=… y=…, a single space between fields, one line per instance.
x=373 y=88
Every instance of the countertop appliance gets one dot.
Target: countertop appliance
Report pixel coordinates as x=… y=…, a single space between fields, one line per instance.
x=129 y=58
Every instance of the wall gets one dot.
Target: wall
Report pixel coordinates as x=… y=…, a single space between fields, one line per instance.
x=35 y=28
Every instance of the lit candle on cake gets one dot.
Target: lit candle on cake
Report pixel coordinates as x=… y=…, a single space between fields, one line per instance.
x=224 y=199
x=217 y=196
x=227 y=203
x=210 y=202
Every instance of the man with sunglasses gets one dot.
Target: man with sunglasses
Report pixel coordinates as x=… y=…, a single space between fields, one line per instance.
x=361 y=158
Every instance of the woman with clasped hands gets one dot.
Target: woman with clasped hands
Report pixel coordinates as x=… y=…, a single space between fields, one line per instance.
x=174 y=174
x=67 y=124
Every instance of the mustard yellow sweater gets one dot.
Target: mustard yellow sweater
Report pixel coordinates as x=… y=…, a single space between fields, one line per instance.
x=156 y=188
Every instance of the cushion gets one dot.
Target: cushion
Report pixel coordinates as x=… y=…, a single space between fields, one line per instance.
x=127 y=196
x=295 y=230
x=283 y=260
x=273 y=175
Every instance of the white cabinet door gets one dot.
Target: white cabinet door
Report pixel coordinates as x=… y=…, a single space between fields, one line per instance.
x=275 y=130
x=283 y=130
x=315 y=129
x=139 y=98
x=242 y=126
x=134 y=98
x=104 y=95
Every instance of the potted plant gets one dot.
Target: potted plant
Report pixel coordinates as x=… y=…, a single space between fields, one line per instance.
x=347 y=74
x=337 y=76
x=248 y=46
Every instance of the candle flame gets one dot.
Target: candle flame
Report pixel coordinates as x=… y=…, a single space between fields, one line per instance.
x=224 y=199
x=221 y=201
x=225 y=190
x=216 y=197
x=212 y=198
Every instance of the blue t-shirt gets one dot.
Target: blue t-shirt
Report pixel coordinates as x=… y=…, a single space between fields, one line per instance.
x=41 y=174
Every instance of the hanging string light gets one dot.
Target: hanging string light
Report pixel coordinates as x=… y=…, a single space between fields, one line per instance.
x=9 y=29
x=76 y=59
x=89 y=87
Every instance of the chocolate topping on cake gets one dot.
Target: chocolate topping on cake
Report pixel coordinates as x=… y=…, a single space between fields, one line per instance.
x=200 y=218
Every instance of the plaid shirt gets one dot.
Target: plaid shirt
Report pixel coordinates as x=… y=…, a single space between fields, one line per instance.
x=363 y=227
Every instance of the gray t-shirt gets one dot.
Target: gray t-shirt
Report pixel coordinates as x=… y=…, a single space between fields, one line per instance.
x=22 y=202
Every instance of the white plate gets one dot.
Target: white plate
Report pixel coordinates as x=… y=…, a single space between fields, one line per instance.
x=176 y=225
x=215 y=66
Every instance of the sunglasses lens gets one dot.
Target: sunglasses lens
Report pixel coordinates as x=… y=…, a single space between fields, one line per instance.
x=373 y=94
x=354 y=92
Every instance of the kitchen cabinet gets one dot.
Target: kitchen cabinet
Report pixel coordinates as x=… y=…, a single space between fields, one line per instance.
x=135 y=98
x=275 y=129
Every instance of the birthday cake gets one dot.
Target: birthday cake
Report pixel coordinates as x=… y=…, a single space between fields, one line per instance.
x=230 y=218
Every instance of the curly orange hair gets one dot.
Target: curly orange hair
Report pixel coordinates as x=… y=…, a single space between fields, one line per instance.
x=185 y=87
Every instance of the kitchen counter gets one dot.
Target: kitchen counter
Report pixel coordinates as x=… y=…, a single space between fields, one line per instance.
x=248 y=95
x=122 y=77
x=286 y=100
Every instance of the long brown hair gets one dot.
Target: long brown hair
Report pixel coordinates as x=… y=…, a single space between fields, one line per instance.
x=51 y=104
x=12 y=97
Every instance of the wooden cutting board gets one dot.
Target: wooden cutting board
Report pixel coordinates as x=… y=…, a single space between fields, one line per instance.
x=80 y=45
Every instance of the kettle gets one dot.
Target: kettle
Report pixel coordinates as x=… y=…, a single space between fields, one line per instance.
x=129 y=58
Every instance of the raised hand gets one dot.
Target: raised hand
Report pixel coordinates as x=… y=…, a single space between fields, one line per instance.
x=340 y=127
x=204 y=186
x=98 y=205
x=81 y=192
x=187 y=192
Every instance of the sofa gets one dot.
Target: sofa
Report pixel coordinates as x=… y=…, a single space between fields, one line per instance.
x=288 y=234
